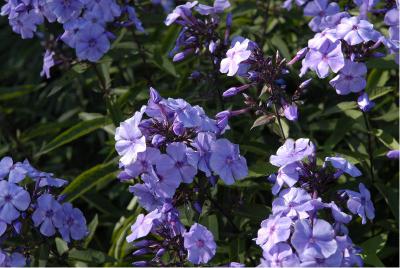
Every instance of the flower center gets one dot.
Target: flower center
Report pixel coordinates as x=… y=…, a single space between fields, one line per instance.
x=70 y=221
x=66 y=3
x=179 y=164
x=229 y=160
x=200 y=243
x=8 y=198
x=92 y=42
x=49 y=213
x=355 y=28
x=348 y=77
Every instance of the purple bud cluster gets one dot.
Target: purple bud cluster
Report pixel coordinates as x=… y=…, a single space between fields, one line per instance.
x=199 y=31
x=343 y=43
x=84 y=23
x=28 y=204
x=295 y=234
x=247 y=60
x=167 y=150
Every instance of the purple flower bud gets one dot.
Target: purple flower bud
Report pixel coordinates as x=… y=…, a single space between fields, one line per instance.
x=290 y=112
x=212 y=46
x=178 y=57
x=182 y=55
x=140 y=264
x=140 y=252
x=197 y=207
x=160 y=252
x=299 y=55
x=393 y=154
x=213 y=180
x=17 y=226
x=142 y=243
x=378 y=55
x=230 y=92
x=229 y=20
x=154 y=95
x=338 y=173
x=195 y=75
x=158 y=140
x=253 y=75
x=61 y=198
x=364 y=103
x=305 y=83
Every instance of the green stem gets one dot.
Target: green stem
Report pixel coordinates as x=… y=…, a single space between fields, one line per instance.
x=370 y=151
x=279 y=122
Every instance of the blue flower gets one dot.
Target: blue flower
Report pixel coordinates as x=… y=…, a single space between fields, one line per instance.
x=46 y=214
x=129 y=139
x=144 y=162
x=314 y=240
x=72 y=223
x=13 y=199
x=175 y=161
x=147 y=198
x=227 y=162
x=344 y=165
x=292 y=151
x=200 y=244
x=201 y=157
x=92 y=43
x=360 y=203
x=15 y=172
x=143 y=225
x=48 y=62
x=163 y=182
x=65 y=10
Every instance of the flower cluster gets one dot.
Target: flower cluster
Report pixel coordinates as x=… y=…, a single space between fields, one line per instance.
x=199 y=33
x=295 y=233
x=265 y=73
x=343 y=43
x=84 y=23
x=28 y=206
x=177 y=143
x=197 y=245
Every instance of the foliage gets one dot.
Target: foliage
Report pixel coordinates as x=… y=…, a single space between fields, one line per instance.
x=66 y=125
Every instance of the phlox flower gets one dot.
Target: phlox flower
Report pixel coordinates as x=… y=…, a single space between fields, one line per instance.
x=314 y=240
x=200 y=244
x=351 y=78
x=129 y=139
x=234 y=56
x=143 y=225
x=46 y=214
x=13 y=199
x=72 y=223
x=292 y=151
x=360 y=203
x=227 y=162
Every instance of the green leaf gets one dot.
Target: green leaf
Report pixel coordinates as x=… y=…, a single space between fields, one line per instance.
x=378 y=92
x=79 y=130
x=7 y=93
x=43 y=255
x=340 y=107
x=377 y=78
x=391 y=196
x=262 y=120
x=89 y=179
x=386 y=139
x=281 y=46
x=89 y=256
x=62 y=246
x=92 y=229
x=373 y=246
